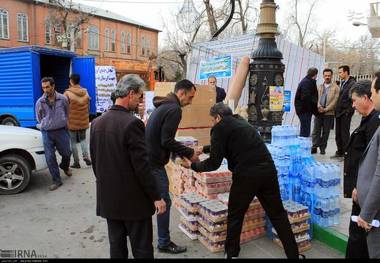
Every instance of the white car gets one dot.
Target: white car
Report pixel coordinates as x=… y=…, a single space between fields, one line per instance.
x=21 y=153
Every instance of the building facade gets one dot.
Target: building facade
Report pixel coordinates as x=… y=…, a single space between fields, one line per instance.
x=129 y=46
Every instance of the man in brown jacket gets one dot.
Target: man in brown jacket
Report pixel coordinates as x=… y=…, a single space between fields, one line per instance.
x=78 y=121
x=328 y=94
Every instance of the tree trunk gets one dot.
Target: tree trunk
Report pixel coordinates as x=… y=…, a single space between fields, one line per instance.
x=210 y=17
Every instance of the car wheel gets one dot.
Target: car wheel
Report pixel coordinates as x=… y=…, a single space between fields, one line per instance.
x=15 y=174
x=10 y=121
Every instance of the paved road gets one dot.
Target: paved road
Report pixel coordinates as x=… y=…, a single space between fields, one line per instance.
x=63 y=224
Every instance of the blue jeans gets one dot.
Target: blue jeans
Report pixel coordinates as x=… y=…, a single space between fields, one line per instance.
x=305 y=119
x=163 y=220
x=60 y=140
x=74 y=149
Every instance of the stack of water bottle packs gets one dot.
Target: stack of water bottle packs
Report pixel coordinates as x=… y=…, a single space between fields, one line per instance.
x=303 y=179
x=254 y=220
x=189 y=207
x=298 y=217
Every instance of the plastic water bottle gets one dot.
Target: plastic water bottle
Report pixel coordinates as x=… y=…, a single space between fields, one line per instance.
x=331 y=202
x=325 y=212
x=317 y=212
x=336 y=218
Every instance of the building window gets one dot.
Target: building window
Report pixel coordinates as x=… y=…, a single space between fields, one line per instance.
x=129 y=42
x=78 y=39
x=93 y=38
x=147 y=46
x=22 y=27
x=123 y=43
x=143 y=46
x=113 y=41
x=48 y=32
x=107 y=39
x=57 y=32
x=4 y=25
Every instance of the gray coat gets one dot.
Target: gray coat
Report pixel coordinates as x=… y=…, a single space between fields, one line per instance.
x=368 y=184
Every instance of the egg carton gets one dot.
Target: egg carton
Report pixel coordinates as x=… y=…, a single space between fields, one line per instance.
x=192 y=235
x=211 y=226
x=213 y=210
x=214 y=237
x=192 y=225
x=214 y=177
x=213 y=247
x=214 y=188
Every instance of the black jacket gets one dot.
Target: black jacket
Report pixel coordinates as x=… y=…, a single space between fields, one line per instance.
x=236 y=140
x=344 y=103
x=220 y=94
x=306 y=100
x=161 y=129
x=125 y=187
x=357 y=144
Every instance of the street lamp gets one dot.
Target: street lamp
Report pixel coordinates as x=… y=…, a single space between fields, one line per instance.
x=266 y=70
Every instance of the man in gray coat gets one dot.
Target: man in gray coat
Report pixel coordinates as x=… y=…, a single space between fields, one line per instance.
x=368 y=183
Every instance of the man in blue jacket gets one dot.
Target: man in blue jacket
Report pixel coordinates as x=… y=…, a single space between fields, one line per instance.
x=306 y=101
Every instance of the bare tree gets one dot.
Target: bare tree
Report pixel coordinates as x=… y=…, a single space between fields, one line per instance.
x=302 y=21
x=211 y=17
x=69 y=17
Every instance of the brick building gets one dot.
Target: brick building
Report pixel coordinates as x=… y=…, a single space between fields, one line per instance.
x=113 y=39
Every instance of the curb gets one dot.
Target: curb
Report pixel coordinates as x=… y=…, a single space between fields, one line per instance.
x=331 y=238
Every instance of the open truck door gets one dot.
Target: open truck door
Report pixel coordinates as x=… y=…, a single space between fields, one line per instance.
x=85 y=67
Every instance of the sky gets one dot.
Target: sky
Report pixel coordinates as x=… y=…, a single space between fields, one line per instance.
x=328 y=14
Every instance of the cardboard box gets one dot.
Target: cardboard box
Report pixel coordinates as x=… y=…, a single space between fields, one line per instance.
x=163 y=88
x=194 y=116
x=205 y=95
x=201 y=134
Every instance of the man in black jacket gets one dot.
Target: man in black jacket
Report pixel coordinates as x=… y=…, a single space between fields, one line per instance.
x=126 y=192
x=343 y=112
x=253 y=174
x=306 y=101
x=160 y=138
x=220 y=93
x=360 y=95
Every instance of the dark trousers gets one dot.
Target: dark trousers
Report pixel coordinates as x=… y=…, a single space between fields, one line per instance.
x=305 y=120
x=163 y=220
x=265 y=187
x=60 y=140
x=357 y=239
x=342 y=132
x=140 y=234
x=322 y=126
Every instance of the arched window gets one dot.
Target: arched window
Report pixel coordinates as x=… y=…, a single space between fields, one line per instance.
x=4 y=24
x=22 y=27
x=48 y=32
x=123 y=42
x=107 y=39
x=129 y=43
x=113 y=40
x=93 y=38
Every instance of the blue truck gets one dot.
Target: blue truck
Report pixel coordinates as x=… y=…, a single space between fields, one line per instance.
x=21 y=71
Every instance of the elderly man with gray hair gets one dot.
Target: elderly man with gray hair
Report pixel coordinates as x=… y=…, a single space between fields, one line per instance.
x=127 y=194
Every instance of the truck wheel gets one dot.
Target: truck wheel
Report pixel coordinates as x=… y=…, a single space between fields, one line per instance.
x=14 y=174
x=10 y=121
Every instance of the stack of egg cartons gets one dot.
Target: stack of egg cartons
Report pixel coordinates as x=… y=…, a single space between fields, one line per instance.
x=254 y=220
x=299 y=221
x=210 y=184
x=212 y=225
x=189 y=206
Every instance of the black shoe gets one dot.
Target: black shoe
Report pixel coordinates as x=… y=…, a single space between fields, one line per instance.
x=171 y=248
x=313 y=150
x=337 y=155
x=87 y=161
x=75 y=165
x=323 y=152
